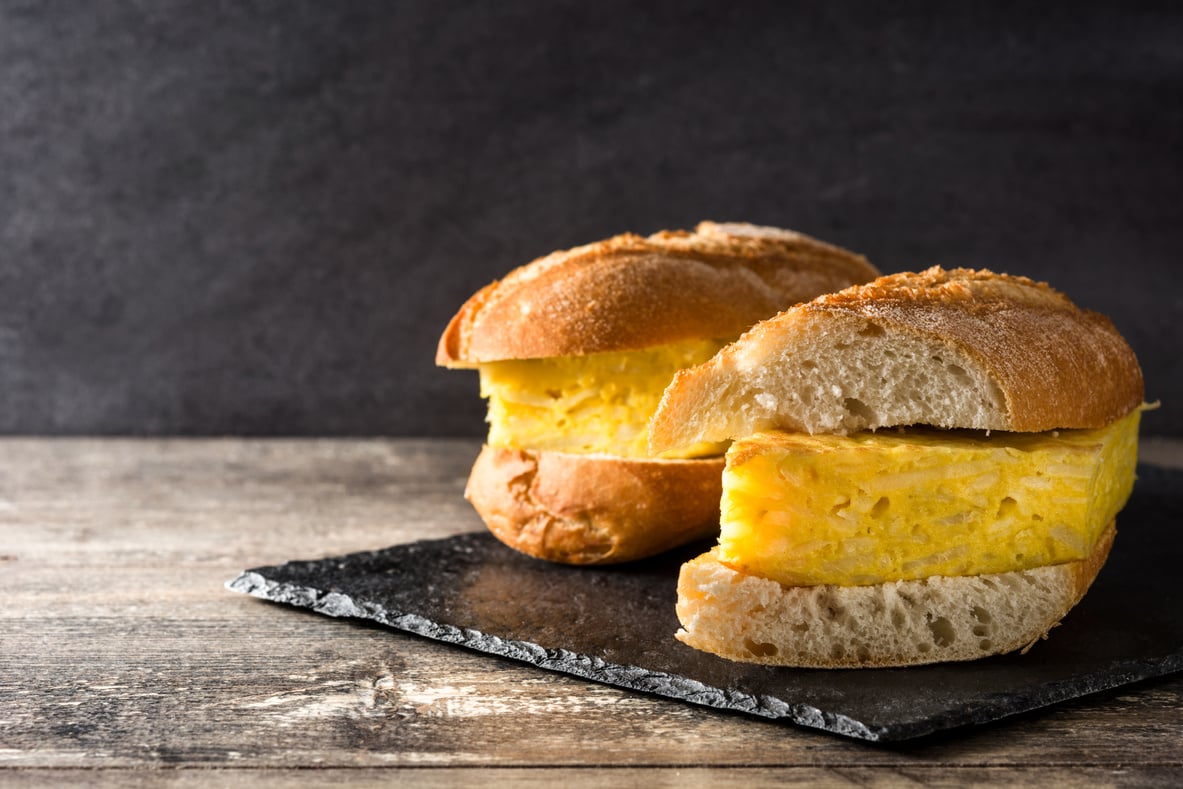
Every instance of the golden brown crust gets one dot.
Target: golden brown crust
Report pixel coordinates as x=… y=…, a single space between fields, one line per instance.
x=630 y=292
x=1058 y=366
x=594 y=509
x=1026 y=359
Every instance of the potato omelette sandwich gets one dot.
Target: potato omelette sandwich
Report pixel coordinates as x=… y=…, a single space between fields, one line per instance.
x=574 y=351
x=924 y=468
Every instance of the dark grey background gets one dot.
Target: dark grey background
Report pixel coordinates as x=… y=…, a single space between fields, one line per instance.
x=256 y=217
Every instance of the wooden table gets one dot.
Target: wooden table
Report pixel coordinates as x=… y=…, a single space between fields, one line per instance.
x=124 y=661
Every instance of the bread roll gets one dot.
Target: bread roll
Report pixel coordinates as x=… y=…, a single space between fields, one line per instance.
x=950 y=349
x=592 y=509
x=954 y=349
x=625 y=294
x=903 y=623
x=629 y=292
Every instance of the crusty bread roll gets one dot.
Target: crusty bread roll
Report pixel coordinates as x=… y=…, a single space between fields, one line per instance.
x=593 y=509
x=629 y=292
x=949 y=349
x=902 y=623
x=958 y=348
x=625 y=294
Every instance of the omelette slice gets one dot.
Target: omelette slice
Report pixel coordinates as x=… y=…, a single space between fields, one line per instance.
x=901 y=505
x=596 y=403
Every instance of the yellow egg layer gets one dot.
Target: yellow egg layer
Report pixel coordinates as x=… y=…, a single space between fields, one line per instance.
x=598 y=403
x=874 y=507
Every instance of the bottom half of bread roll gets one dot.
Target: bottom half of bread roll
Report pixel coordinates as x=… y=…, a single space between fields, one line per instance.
x=594 y=509
x=899 y=623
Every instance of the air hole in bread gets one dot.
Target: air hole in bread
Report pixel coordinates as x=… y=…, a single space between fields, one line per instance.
x=840 y=506
x=1009 y=582
x=759 y=649
x=879 y=509
x=986 y=645
x=1037 y=583
x=801 y=627
x=859 y=410
x=924 y=647
x=1006 y=508
x=834 y=610
x=838 y=651
x=863 y=654
x=981 y=630
x=808 y=364
x=943 y=634
x=982 y=615
x=959 y=373
x=897 y=617
x=871 y=330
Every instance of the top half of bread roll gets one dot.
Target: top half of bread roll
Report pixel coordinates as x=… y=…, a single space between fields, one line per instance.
x=948 y=348
x=630 y=292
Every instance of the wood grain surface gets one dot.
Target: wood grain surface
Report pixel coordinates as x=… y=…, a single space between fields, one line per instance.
x=125 y=662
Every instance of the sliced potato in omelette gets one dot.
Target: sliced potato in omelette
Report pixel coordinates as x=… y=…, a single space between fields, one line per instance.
x=873 y=507
x=599 y=402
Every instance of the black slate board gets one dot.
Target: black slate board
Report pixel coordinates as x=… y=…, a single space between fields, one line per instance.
x=616 y=625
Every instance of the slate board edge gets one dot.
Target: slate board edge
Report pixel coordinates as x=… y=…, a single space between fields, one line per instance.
x=635 y=678
x=337 y=605
x=1116 y=675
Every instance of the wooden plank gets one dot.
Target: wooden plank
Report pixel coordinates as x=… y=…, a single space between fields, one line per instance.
x=266 y=686
x=576 y=778
x=230 y=502
x=121 y=649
